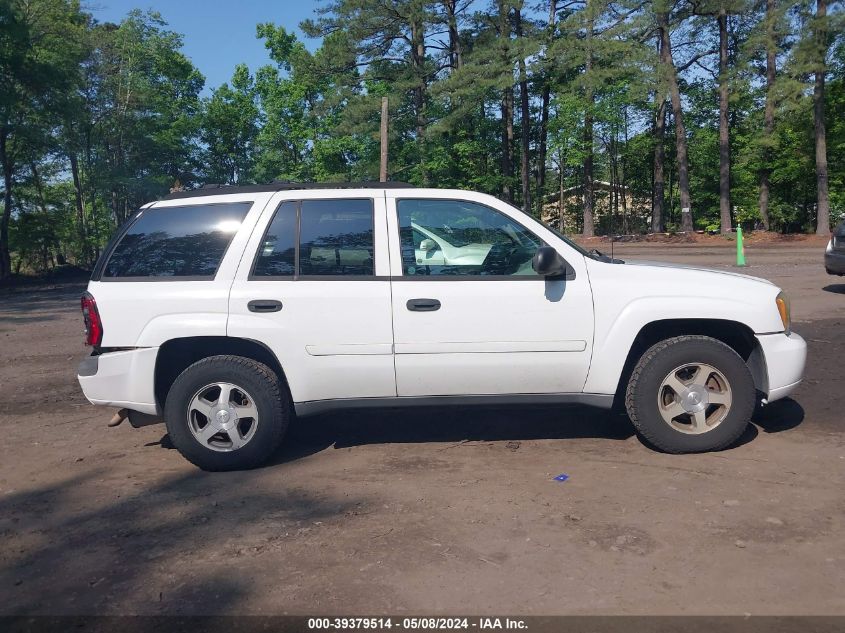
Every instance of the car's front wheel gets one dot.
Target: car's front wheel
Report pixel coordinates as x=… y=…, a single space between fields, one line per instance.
x=690 y=394
x=227 y=413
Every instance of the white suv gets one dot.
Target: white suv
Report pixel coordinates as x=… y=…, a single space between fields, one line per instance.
x=228 y=310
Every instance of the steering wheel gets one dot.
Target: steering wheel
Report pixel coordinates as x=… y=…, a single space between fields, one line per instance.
x=498 y=260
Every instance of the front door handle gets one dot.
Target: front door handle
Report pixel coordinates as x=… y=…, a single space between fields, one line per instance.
x=423 y=305
x=264 y=305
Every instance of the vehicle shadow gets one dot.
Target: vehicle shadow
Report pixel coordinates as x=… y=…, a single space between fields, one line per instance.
x=344 y=429
x=435 y=424
x=835 y=288
x=356 y=428
x=778 y=416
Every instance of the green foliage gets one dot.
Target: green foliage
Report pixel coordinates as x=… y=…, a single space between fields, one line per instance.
x=230 y=131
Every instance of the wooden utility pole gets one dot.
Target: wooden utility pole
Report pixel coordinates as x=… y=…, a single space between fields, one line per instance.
x=383 y=169
x=724 y=132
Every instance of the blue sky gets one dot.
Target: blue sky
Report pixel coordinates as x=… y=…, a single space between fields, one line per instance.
x=218 y=34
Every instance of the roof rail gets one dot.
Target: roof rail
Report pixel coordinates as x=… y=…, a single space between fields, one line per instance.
x=220 y=190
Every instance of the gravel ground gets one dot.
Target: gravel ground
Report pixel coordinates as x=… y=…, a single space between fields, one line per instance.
x=434 y=512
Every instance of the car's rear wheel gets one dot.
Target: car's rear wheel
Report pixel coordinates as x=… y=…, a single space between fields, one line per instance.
x=227 y=413
x=690 y=394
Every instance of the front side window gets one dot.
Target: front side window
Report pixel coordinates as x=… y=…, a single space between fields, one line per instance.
x=457 y=237
x=187 y=241
x=335 y=238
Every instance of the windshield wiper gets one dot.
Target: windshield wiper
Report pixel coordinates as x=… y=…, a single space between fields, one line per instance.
x=601 y=257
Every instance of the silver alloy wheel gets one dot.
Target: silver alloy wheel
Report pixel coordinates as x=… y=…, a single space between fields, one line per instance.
x=694 y=398
x=222 y=416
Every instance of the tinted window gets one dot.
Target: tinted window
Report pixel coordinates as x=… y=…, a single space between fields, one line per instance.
x=336 y=237
x=455 y=237
x=277 y=253
x=187 y=241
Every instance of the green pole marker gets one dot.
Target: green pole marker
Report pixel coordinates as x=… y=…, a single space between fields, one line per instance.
x=740 y=248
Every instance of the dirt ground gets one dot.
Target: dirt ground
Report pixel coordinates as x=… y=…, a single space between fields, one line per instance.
x=429 y=512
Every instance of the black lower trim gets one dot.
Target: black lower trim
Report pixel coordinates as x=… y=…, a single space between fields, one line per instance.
x=600 y=400
x=88 y=366
x=138 y=419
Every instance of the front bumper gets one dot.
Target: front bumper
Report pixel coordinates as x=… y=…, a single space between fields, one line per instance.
x=785 y=355
x=124 y=379
x=834 y=263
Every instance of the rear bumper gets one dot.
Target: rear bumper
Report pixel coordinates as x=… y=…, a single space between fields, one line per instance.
x=123 y=379
x=834 y=263
x=786 y=355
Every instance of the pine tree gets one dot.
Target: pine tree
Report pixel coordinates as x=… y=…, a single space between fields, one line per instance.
x=821 y=40
x=662 y=15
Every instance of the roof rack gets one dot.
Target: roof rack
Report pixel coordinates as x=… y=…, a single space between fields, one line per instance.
x=277 y=185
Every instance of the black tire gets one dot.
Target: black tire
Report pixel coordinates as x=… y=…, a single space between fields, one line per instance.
x=270 y=398
x=641 y=396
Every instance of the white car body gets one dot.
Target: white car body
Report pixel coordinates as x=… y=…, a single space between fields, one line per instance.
x=344 y=343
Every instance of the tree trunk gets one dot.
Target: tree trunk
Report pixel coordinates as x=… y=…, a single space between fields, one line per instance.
x=115 y=207
x=507 y=105
x=5 y=162
x=624 y=178
x=39 y=187
x=677 y=111
x=92 y=196
x=525 y=122
x=560 y=192
x=658 y=196
x=589 y=100
x=544 y=116
x=823 y=202
x=455 y=51
x=613 y=157
x=589 y=194
x=769 y=115
x=724 y=131
x=418 y=62
x=80 y=206
x=47 y=260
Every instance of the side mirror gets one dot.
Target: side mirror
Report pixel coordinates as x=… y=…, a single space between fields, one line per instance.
x=428 y=244
x=549 y=263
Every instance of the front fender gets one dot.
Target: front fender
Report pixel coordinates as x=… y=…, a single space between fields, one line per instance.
x=627 y=298
x=611 y=347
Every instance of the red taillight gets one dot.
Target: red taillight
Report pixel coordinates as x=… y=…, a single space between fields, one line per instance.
x=93 y=324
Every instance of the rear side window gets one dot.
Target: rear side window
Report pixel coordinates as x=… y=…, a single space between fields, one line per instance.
x=277 y=254
x=187 y=241
x=318 y=238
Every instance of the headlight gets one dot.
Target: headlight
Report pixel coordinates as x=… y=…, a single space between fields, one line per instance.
x=829 y=246
x=783 y=309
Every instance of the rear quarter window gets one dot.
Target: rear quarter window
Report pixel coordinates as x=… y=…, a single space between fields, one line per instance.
x=186 y=241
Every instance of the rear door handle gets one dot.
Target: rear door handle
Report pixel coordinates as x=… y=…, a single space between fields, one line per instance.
x=423 y=305
x=264 y=305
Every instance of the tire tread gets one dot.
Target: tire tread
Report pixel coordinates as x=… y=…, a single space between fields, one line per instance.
x=280 y=416
x=640 y=422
